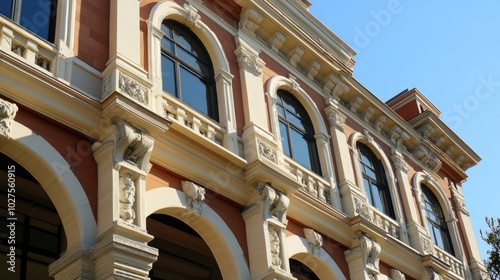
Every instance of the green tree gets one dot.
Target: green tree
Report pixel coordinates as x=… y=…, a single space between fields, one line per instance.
x=493 y=239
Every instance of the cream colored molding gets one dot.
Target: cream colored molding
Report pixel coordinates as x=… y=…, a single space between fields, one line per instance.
x=195 y=196
x=192 y=15
x=315 y=241
x=7 y=113
x=399 y=161
x=248 y=58
x=336 y=118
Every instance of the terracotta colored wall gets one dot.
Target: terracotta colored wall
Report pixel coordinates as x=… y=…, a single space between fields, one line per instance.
x=92 y=32
x=73 y=147
x=409 y=110
x=229 y=211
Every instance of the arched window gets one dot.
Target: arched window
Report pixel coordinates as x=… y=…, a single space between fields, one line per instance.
x=436 y=221
x=374 y=180
x=297 y=132
x=187 y=71
x=38 y=16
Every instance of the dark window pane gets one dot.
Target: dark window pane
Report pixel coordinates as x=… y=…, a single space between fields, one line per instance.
x=300 y=148
x=167 y=45
x=43 y=240
x=192 y=61
x=6 y=8
x=284 y=139
x=168 y=75
x=194 y=91
x=296 y=121
x=281 y=111
x=36 y=16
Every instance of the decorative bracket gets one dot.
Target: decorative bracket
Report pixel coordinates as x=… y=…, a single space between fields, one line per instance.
x=7 y=113
x=195 y=196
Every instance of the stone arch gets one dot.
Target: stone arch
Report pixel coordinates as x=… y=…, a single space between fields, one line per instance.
x=54 y=174
x=391 y=178
x=209 y=225
x=321 y=263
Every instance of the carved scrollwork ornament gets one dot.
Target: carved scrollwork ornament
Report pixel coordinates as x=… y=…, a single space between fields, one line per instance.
x=268 y=152
x=371 y=251
x=275 y=247
x=132 y=144
x=192 y=15
x=314 y=239
x=275 y=201
x=133 y=89
x=7 y=114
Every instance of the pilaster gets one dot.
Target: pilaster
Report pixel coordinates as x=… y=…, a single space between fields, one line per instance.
x=265 y=220
x=363 y=258
x=123 y=163
x=74 y=263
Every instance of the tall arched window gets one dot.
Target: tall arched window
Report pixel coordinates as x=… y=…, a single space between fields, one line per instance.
x=297 y=132
x=375 y=180
x=187 y=71
x=436 y=221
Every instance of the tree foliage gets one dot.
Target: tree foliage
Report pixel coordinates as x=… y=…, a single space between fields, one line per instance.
x=493 y=239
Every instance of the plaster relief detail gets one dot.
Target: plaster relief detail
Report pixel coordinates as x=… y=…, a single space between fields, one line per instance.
x=313 y=69
x=127 y=197
x=336 y=118
x=432 y=274
x=397 y=136
x=195 y=196
x=379 y=123
x=362 y=208
x=267 y=152
x=275 y=246
x=133 y=89
x=314 y=239
x=397 y=275
x=367 y=116
x=426 y=130
x=7 y=114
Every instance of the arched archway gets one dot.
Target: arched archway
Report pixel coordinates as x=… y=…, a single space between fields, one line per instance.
x=323 y=266
x=209 y=226
x=55 y=176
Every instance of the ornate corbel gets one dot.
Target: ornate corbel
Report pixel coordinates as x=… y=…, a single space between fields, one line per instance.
x=249 y=59
x=7 y=113
x=355 y=104
x=313 y=69
x=336 y=118
x=132 y=145
x=277 y=40
x=426 y=130
x=295 y=55
x=397 y=136
x=329 y=83
x=426 y=157
x=370 y=250
x=432 y=274
x=195 y=196
x=250 y=20
x=380 y=122
x=314 y=239
x=275 y=202
x=367 y=116
x=397 y=275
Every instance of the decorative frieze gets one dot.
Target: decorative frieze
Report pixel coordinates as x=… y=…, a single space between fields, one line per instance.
x=275 y=202
x=313 y=69
x=250 y=20
x=133 y=89
x=7 y=113
x=192 y=15
x=277 y=40
x=127 y=196
x=195 y=196
x=267 y=152
x=314 y=239
x=295 y=56
x=425 y=156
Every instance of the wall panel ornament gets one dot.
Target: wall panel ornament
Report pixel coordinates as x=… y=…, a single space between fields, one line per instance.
x=7 y=113
x=127 y=196
x=133 y=89
x=267 y=152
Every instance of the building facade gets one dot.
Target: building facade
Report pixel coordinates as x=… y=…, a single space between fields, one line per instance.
x=216 y=139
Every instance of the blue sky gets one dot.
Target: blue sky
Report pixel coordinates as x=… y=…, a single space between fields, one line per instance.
x=451 y=53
